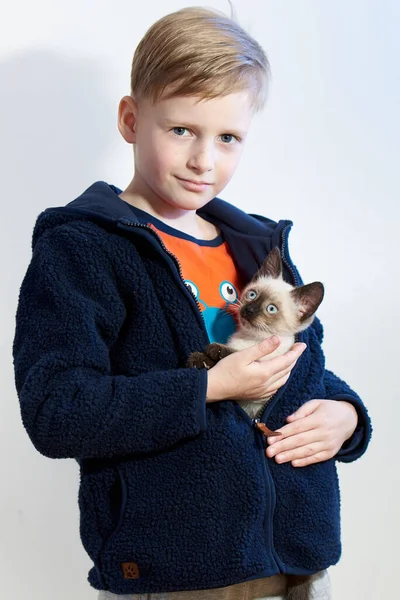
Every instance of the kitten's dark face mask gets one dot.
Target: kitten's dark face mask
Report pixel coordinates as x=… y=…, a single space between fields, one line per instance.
x=259 y=306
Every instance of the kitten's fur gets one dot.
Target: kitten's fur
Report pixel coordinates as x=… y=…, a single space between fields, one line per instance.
x=268 y=306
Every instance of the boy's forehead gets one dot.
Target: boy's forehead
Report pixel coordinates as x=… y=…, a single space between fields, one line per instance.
x=231 y=110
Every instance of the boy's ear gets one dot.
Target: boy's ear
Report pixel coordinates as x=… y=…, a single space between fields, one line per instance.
x=127 y=114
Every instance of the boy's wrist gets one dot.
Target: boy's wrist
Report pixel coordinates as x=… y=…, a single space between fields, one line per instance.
x=213 y=393
x=352 y=419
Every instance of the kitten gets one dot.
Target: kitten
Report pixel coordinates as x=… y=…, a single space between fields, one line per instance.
x=268 y=306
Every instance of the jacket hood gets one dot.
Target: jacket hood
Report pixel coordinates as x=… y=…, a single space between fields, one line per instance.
x=101 y=204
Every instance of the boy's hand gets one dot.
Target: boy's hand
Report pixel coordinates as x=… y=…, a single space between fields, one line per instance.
x=316 y=432
x=243 y=376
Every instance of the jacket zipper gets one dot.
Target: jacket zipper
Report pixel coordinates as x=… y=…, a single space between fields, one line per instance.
x=289 y=267
x=270 y=483
x=271 y=488
x=268 y=523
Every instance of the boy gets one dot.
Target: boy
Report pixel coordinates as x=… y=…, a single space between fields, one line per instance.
x=181 y=496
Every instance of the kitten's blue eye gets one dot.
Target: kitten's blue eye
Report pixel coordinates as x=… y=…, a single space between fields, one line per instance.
x=192 y=288
x=251 y=294
x=271 y=309
x=228 y=292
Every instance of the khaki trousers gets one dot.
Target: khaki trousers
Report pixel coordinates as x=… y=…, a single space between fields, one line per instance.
x=271 y=588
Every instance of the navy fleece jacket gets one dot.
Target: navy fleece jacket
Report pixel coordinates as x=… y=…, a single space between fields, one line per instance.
x=175 y=494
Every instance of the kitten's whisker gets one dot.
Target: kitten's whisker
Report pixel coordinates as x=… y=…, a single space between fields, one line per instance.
x=233 y=308
x=237 y=305
x=224 y=313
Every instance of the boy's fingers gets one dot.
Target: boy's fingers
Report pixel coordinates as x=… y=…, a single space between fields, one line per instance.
x=261 y=349
x=281 y=374
x=280 y=378
x=297 y=345
x=280 y=363
x=305 y=410
x=274 y=387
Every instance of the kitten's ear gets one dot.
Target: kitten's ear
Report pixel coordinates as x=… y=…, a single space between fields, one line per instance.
x=308 y=298
x=272 y=266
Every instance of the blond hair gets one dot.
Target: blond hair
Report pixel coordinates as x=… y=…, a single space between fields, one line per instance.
x=199 y=52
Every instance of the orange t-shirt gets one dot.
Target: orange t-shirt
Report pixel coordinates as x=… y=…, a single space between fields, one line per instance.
x=209 y=271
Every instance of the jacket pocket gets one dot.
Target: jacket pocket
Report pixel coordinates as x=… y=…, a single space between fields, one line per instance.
x=102 y=498
x=116 y=502
x=307 y=514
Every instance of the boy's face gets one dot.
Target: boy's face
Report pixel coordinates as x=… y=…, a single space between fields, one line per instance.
x=186 y=151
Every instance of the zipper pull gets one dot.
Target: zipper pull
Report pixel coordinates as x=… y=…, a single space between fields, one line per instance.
x=265 y=430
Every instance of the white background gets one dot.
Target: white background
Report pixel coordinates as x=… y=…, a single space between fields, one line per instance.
x=324 y=154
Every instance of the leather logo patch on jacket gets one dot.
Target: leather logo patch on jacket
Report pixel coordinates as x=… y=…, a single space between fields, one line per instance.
x=130 y=570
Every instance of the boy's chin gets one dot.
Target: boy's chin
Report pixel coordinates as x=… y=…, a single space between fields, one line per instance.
x=189 y=200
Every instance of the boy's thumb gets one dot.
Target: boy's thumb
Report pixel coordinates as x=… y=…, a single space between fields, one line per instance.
x=263 y=348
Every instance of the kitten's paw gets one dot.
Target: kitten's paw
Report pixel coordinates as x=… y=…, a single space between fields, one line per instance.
x=211 y=355
x=217 y=352
x=200 y=360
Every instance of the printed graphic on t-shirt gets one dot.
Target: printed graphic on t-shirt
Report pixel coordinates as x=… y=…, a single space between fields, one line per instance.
x=219 y=320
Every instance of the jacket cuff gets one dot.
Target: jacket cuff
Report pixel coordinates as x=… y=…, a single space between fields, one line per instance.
x=357 y=444
x=202 y=399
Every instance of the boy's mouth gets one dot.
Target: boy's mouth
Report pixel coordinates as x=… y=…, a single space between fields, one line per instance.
x=194 y=185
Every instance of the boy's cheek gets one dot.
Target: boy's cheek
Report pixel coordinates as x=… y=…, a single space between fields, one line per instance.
x=222 y=178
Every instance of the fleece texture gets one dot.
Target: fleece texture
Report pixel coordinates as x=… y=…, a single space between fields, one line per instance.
x=175 y=494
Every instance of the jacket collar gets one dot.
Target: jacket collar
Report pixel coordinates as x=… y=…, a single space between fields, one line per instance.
x=249 y=237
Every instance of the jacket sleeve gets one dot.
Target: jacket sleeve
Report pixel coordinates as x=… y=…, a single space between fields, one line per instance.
x=337 y=389
x=69 y=313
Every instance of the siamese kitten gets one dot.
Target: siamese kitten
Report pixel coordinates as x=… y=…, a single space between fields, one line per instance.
x=268 y=306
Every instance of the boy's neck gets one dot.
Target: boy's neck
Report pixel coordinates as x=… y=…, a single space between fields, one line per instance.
x=186 y=221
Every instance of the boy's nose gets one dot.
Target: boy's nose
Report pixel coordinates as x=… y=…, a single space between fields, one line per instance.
x=202 y=161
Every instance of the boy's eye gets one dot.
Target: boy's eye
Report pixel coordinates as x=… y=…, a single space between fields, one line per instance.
x=228 y=137
x=251 y=294
x=271 y=309
x=179 y=130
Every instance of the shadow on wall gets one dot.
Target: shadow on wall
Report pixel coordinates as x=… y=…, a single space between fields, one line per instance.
x=57 y=118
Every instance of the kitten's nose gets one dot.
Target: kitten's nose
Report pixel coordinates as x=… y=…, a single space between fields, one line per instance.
x=248 y=311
